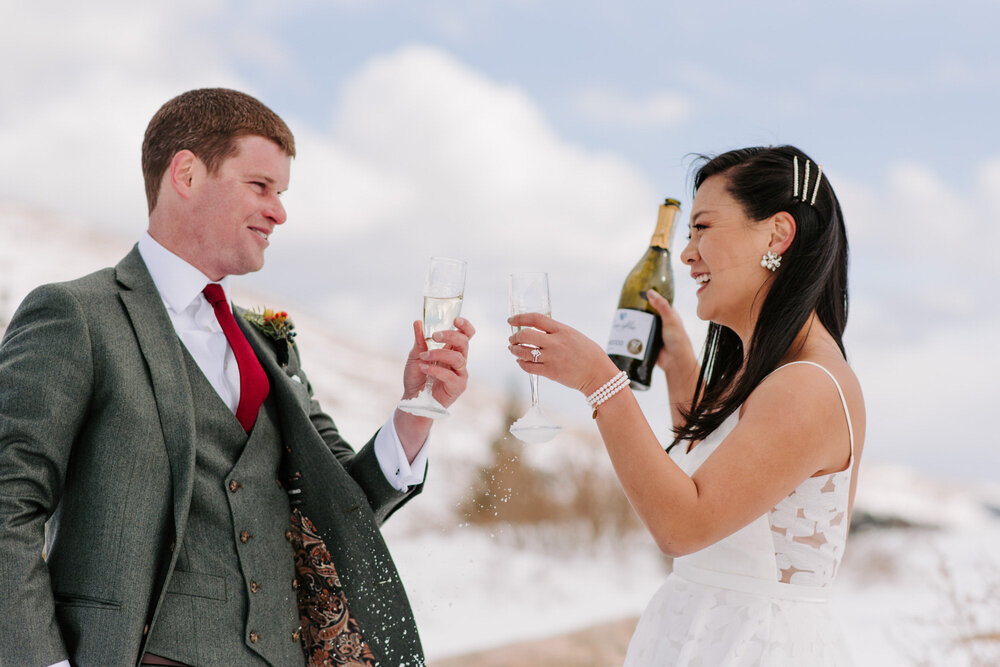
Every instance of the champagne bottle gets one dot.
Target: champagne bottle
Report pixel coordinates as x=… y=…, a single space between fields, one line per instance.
x=636 y=338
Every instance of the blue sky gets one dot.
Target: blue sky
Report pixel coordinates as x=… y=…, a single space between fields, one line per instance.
x=524 y=134
x=868 y=82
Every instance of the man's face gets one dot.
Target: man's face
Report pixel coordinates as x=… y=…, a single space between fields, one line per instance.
x=235 y=210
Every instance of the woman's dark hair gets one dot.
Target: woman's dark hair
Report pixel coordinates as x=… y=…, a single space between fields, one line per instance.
x=812 y=277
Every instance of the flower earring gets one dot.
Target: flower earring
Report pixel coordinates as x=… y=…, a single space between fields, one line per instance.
x=771 y=261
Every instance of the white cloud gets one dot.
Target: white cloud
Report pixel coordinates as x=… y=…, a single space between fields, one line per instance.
x=84 y=84
x=337 y=194
x=924 y=315
x=933 y=398
x=662 y=109
x=427 y=156
x=988 y=189
x=56 y=44
x=457 y=153
x=938 y=234
x=417 y=138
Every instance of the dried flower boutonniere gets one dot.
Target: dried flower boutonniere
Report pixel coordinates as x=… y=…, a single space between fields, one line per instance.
x=275 y=325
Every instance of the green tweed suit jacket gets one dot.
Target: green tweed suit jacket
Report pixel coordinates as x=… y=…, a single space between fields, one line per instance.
x=97 y=437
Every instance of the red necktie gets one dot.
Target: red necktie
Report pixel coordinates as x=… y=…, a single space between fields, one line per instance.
x=253 y=379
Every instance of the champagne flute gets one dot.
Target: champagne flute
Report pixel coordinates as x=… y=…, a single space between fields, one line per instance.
x=529 y=293
x=443 y=292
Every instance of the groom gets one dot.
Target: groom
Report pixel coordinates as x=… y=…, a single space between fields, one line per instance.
x=201 y=507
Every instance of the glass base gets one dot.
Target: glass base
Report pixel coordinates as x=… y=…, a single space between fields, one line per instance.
x=423 y=405
x=534 y=427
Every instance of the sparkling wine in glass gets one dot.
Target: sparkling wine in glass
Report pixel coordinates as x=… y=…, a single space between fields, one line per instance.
x=529 y=293
x=443 y=292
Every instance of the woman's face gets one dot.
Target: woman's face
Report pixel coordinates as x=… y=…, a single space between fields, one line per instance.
x=724 y=252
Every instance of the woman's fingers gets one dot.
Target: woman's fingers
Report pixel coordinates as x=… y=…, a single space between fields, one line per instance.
x=660 y=303
x=535 y=321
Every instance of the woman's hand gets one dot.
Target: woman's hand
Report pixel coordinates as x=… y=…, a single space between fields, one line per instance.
x=676 y=359
x=677 y=353
x=564 y=355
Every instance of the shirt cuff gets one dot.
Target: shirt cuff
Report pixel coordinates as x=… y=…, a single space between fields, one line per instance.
x=64 y=663
x=400 y=473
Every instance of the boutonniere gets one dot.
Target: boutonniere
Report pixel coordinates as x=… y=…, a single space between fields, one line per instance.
x=277 y=326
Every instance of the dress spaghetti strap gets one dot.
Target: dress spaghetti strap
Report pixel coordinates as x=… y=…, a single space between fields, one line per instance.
x=843 y=400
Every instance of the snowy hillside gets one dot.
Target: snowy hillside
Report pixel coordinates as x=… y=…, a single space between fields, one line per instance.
x=919 y=582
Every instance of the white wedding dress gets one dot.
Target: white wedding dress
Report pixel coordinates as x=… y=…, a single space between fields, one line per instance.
x=758 y=596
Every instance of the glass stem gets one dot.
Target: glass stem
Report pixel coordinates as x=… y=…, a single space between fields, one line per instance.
x=534 y=389
x=428 y=385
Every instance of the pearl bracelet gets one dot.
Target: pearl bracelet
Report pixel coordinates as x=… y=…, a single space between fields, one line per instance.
x=607 y=390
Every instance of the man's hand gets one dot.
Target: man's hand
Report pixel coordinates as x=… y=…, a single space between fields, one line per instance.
x=448 y=368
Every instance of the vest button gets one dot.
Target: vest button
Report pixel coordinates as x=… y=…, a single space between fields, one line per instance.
x=288 y=535
x=254 y=587
x=295 y=584
x=245 y=537
x=297 y=634
x=254 y=637
x=234 y=485
x=145 y=630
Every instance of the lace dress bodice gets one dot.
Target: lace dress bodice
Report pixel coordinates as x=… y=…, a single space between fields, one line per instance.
x=756 y=597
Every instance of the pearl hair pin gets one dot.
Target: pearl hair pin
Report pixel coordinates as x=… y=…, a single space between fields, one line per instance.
x=805 y=181
x=819 y=175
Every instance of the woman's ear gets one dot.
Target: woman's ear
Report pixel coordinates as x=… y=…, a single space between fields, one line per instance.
x=782 y=232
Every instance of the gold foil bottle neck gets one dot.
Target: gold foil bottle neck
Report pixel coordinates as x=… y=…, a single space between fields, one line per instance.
x=665 y=224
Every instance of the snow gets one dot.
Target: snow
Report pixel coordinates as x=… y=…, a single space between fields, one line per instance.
x=473 y=590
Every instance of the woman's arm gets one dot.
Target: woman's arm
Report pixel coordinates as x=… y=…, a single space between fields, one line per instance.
x=791 y=427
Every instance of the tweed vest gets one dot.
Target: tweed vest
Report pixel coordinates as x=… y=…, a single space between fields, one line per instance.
x=231 y=597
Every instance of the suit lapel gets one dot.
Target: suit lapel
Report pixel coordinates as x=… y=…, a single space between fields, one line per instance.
x=165 y=359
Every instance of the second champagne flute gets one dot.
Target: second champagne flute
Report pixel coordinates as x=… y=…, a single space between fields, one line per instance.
x=529 y=293
x=443 y=293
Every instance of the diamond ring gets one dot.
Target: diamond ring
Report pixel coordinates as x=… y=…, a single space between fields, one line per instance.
x=535 y=354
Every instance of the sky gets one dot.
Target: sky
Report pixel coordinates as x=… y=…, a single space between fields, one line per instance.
x=533 y=135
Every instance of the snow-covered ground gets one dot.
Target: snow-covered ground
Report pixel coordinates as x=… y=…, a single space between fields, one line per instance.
x=905 y=595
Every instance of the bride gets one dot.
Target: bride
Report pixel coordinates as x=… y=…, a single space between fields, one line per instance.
x=753 y=499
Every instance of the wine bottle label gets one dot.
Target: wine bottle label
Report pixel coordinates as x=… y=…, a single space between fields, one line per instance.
x=630 y=332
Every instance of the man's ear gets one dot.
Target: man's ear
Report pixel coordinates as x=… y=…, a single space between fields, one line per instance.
x=181 y=172
x=782 y=232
